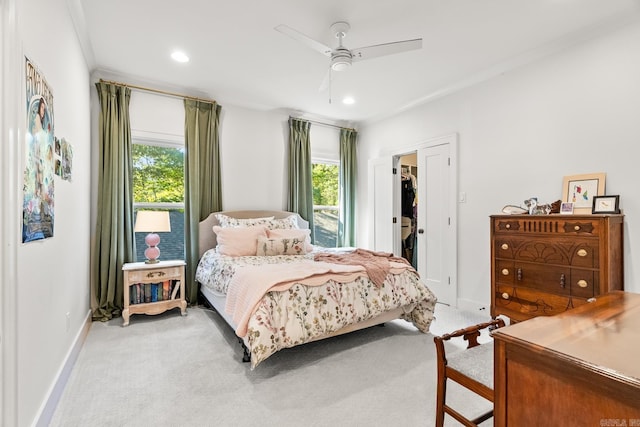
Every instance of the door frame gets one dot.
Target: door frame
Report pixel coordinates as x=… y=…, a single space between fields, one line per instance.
x=395 y=154
x=11 y=122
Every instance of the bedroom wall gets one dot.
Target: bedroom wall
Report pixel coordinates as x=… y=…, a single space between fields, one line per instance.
x=51 y=286
x=253 y=145
x=571 y=113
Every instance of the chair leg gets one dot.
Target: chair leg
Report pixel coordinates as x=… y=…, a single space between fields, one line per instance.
x=440 y=400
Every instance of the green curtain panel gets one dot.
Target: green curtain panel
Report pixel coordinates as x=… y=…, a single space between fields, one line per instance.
x=203 y=188
x=114 y=241
x=299 y=173
x=347 y=188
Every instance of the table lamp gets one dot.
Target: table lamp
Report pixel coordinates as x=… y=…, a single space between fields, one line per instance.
x=152 y=222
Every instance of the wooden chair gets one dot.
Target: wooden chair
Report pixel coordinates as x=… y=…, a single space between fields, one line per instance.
x=472 y=368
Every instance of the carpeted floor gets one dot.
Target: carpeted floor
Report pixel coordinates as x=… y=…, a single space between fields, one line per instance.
x=168 y=370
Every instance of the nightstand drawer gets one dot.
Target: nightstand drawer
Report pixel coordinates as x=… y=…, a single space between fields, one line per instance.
x=154 y=275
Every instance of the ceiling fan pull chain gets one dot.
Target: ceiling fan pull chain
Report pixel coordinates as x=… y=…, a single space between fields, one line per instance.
x=330 y=81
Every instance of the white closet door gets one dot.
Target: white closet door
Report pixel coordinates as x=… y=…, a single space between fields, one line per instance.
x=436 y=222
x=381 y=204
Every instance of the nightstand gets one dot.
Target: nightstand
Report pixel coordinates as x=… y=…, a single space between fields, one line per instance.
x=153 y=288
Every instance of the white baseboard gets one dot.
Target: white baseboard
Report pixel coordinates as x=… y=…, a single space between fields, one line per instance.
x=49 y=405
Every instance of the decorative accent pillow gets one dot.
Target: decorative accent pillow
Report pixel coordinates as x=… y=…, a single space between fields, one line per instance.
x=238 y=241
x=283 y=224
x=270 y=246
x=299 y=234
x=227 y=221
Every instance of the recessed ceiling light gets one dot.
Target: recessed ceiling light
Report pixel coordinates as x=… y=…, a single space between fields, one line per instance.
x=348 y=100
x=180 y=56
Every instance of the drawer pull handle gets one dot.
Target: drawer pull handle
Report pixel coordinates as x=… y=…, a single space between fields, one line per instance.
x=505 y=246
x=508 y=226
x=155 y=274
x=582 y=283
x=505 y=295
x=562 y=281
x=519 y=274
x=505 y=271
x=576 y=227
x=582 y=252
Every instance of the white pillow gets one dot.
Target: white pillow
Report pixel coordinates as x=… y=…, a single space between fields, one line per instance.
x=283 y=224
x=227 y=221
x=238 y=241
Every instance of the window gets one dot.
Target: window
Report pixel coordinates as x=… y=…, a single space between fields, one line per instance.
x=324 y=176
x=158 y=184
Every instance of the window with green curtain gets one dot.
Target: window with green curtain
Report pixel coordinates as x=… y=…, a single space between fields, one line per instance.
x=326 y=204
x=158 y=184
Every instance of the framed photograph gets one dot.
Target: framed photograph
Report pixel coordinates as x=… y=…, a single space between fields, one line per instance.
x=606 y=204
x=581 y=189
x=566 y=208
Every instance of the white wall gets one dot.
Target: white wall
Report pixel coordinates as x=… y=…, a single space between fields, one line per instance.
x=253 y=155
x=53 y=274
x=519 y=134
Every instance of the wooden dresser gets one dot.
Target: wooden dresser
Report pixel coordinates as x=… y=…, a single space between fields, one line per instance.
x=578 y=368
x=546 y=264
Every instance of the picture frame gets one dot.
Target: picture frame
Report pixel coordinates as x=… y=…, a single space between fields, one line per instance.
x=566 y=208
x=581 y=189
x=606 y=205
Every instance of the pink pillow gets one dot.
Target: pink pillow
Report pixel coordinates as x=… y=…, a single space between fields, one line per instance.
x=239 y=241
x=294 y=233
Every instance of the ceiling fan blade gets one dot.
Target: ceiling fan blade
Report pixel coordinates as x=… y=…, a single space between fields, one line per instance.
x=375 y=51
x=297 y=35
x=326 y=81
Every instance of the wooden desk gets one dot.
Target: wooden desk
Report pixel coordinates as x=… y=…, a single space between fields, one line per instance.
x=579 y=368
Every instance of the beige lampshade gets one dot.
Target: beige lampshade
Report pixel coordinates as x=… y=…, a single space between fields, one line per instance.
x=152 y=222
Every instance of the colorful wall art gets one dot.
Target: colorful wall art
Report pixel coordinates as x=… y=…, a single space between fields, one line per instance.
x=38 y=188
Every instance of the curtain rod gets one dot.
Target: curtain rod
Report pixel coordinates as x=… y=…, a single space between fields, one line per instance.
x=163 y=92
x=323 y=124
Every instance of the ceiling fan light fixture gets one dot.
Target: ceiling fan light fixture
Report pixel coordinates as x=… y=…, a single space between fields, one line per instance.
x=348 y=100
x=340 y=61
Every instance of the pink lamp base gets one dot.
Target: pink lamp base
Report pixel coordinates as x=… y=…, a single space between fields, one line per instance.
x=152 y=252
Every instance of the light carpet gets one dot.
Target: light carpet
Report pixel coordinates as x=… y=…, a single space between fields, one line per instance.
x=169 y=370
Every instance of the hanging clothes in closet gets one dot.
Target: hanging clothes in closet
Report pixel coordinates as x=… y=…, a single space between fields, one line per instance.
x=408 y=212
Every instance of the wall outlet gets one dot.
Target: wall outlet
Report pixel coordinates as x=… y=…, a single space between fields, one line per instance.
x=68 y=321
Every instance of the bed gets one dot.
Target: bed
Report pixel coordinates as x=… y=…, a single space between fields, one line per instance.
x=258 y=270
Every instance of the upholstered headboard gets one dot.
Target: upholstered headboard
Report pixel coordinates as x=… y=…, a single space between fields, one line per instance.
x=207 y=238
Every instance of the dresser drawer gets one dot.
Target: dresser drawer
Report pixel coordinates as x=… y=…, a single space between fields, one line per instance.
x=547 y=278
x=154 y=275
x=523 y=303
x=544 y=224
x=579 y=252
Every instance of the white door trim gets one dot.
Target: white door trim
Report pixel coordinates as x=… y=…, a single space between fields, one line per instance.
x=395 y=153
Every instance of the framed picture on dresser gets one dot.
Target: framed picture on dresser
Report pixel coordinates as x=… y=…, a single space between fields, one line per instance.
x=606 y=205
x=581 y=189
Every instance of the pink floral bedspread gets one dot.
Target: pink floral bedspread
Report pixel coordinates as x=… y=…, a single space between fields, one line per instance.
x=288 y=317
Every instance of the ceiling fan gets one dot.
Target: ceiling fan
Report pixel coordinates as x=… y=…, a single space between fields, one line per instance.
x=341 y=57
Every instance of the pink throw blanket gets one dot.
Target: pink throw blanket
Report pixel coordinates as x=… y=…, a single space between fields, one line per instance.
x=250 y=283
x=377 y=264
